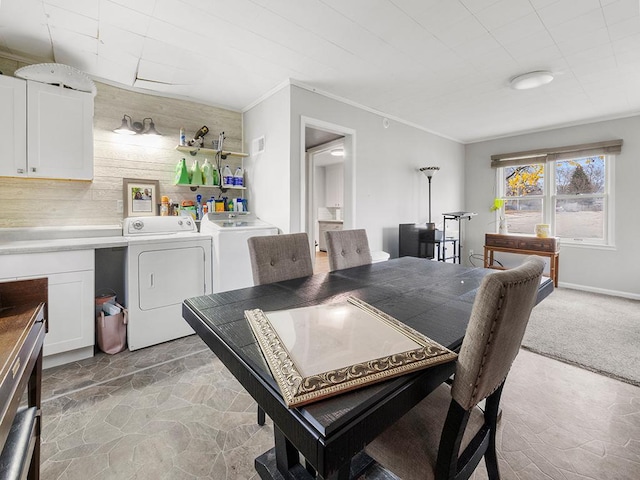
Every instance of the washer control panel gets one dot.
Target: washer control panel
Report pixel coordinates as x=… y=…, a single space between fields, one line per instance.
x=158 y=225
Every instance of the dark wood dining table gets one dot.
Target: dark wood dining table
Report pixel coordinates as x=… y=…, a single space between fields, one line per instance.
x=435 y=298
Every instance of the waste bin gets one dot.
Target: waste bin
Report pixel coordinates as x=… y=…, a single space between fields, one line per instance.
x=111 y=324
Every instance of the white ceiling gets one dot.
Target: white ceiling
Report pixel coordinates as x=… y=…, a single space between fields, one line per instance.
x=442 y=65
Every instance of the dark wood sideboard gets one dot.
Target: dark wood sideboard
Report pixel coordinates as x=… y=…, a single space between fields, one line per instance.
x=23 y=314
x=524 y=245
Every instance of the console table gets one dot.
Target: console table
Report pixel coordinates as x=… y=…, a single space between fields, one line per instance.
x=22 y=331
x=523 y=245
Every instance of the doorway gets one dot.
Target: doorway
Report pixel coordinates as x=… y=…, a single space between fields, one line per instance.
x=319 y=140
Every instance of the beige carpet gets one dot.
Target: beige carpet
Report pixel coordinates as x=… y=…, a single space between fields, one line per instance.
x=597 y=332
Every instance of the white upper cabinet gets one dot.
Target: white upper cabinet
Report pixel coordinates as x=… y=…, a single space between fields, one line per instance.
x=47 y=132
x=59 y=132
x=13 y=126
x=334 y=186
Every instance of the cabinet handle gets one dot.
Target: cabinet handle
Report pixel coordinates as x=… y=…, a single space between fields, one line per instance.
x=21 y=170
x=33 y=169
x=151 y=281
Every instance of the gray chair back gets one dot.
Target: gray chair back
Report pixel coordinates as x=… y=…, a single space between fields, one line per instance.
x=498 y=320
x=347 y=248
x=275 y=258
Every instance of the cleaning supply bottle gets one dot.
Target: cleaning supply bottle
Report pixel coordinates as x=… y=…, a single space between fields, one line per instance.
x=216 y=176
x=227 y=177
x=182 y=174
x=238 y=178
x=198 y=207
x=164 y=207
x=183 y=138
x=196 y=174
x=207 y=172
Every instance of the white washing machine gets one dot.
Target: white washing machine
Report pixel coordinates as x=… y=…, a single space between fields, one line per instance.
x=231 y=267
x=167 y=261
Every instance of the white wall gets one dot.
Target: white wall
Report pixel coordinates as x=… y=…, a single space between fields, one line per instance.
x=267 y=174
x=388 y=187
x=614 y=271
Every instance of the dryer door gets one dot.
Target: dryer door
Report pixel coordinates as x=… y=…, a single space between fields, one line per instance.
x=167 y=277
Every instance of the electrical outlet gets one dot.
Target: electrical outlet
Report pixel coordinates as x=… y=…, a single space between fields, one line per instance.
x=119 y=206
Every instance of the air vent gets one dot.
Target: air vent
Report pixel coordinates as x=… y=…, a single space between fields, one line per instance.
x=257 y=146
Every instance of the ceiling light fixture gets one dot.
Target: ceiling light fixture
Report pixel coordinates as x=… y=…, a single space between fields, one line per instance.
x=531 y=80
x=338 y=152
x=129 y=127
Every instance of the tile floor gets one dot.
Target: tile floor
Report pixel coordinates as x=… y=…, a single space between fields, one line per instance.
x=174 y=412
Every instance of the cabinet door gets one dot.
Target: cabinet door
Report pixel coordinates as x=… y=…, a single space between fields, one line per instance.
x=60 y=132
x=71 y=312
x=334 y=185
x=13 y=127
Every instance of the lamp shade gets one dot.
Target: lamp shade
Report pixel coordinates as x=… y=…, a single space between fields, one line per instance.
x=125 y=127
x=429 y=171
x=151 y=129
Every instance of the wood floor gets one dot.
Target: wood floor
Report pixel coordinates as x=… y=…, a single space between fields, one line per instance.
x=321 y=263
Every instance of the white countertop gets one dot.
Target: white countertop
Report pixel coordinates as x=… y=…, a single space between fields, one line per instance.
x=57 y=239
x=60 y=244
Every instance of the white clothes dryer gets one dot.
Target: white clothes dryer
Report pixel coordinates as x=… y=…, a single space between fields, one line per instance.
x=231 y=267
x=167 y=262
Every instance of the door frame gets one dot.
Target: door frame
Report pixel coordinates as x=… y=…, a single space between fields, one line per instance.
x=308 y=211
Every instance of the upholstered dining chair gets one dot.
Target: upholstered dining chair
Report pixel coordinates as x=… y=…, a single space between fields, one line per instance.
x=275 y=258
x=347 y=248
x=447 y=434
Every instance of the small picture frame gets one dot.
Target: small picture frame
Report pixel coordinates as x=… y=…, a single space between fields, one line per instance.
x=140 y=197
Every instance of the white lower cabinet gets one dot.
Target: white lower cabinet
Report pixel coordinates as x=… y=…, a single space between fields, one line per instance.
x=71 y=299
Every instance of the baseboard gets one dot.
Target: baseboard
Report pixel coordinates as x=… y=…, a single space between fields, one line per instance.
x=67 y=357
x=603 y=291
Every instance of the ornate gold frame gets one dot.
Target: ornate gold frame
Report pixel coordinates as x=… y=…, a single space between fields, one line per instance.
x=299 y=390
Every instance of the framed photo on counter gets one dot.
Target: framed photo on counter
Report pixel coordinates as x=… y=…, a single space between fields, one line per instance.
x=140 y=197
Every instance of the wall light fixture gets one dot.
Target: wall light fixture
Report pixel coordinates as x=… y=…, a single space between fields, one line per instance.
x=129 y=127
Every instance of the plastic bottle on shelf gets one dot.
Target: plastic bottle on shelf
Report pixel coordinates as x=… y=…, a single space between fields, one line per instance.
x=216 y=176
x=227 y=177
x=182 y=174
x=198 y=207
x=207 y=173
x=238 y=177
x=183 y=138
x=164 y=207
x=196 y=174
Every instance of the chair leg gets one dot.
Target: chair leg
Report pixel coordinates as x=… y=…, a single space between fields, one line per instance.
x=494 y=414
x=491 y=459
x=261 y=416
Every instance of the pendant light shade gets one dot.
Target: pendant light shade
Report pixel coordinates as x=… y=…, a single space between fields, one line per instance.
x=125 y=128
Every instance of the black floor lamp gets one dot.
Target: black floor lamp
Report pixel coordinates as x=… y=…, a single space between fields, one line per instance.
x=428 y=172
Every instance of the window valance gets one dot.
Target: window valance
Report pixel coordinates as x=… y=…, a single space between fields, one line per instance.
x=555 y=153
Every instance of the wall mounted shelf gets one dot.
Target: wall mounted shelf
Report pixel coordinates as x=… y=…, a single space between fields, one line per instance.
x=193 y=151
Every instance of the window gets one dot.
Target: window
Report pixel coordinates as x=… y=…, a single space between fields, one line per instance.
x=569 y=190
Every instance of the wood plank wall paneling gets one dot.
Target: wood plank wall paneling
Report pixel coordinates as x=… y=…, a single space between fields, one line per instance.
x=40 y=202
